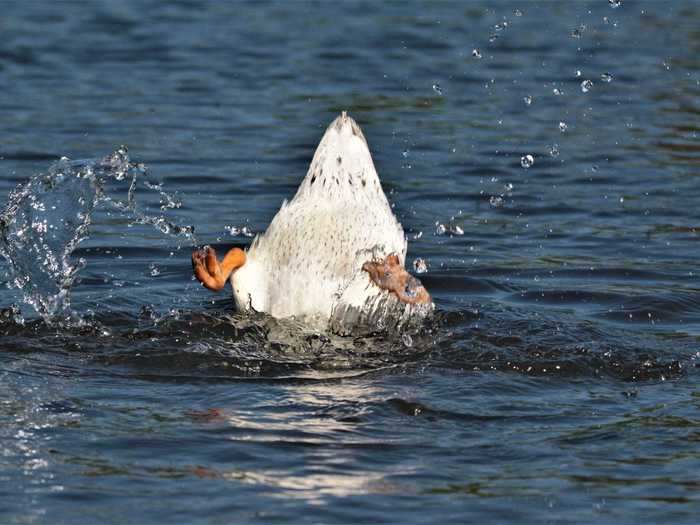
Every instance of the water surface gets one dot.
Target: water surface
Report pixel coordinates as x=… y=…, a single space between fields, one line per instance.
x=559 y=381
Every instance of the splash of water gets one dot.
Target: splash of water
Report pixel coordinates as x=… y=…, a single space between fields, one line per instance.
x=47 y=218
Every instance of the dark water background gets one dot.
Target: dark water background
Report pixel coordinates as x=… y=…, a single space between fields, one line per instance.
x=559 y=383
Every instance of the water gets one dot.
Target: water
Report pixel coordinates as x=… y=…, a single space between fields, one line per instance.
x=558 y=382
x=47 y=218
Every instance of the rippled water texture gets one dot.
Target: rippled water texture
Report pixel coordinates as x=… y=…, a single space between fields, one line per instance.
x=543 y=159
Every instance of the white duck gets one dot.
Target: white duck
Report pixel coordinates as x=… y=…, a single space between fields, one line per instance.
x=334 y=251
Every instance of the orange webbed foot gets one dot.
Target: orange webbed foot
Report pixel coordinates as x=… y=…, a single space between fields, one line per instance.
x=389 y=275
x=212 y=274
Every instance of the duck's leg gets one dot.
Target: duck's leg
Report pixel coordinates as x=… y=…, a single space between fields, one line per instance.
x=210 y=272
x=389 y=275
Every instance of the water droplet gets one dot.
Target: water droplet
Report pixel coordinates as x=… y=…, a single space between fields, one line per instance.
x=554 y=149
x=405 y=153
x=518 y=12
x=476 y=53
x=508 y=187
x=606 y=77
x=586 y=86
x=420 y=266
x=622 y=200
x=245 y=231
x=452 y=229
x=527 y=161
x=417 y=235
x=436 y=88
x=563 y=127
x=154 y=270
x=232 y=230
x=493 y=38
x=576 y=33
x=168 y=201
x=496 y=201
x=61 y=204
x=557 y=92
x=615 y=3
x=578 y=73
x=528 y=100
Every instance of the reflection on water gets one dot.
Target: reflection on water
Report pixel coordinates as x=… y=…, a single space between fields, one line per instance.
x=310 y=415
x=29 y=414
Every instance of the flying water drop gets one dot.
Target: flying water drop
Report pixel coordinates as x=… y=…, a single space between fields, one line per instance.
x=420 y=266
x=47 y=218
x=154 y=271
x=233 y=231
x=527 y=161
x=586 y=86
x=563 y=127
x=168 y=201
x=576 y=33
x=606 y=77
x=450 y=228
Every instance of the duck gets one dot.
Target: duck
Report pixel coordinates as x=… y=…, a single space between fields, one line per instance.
x=334 y=254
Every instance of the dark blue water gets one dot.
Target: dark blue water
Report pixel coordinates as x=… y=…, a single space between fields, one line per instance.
x=559 y=382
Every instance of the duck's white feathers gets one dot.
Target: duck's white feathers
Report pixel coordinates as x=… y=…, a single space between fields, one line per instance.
x=309 y=260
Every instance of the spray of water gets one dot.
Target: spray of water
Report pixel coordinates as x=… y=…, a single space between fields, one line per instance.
x=49 y=216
